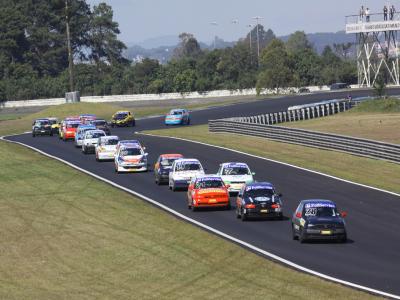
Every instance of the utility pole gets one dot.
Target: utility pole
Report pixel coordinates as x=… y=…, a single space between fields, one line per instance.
x=69 y=48
x=258 y=39
x=251 y=43
x=215 y=35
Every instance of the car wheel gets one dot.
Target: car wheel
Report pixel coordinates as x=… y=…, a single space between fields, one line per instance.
x=228 y=207
x=194 y=208
x=33 y=135
x=133 y=123
x=173 y=188
x=243 y=216
x=343 y=239
x=188 y=122
x=294 y=235
x=302 y=237
x=237 y=213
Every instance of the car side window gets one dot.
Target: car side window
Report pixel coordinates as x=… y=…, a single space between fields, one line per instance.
x=299 y=209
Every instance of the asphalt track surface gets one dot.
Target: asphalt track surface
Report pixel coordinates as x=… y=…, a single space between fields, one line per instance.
x=370 y=258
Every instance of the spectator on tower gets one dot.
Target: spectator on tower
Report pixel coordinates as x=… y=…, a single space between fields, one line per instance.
x=362 y=13
x=392 y=11
x=367 y=14
x=385 y=13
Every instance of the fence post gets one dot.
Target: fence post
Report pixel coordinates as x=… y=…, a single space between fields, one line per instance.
x=327 y=109
x=313 y=112
x=303 y=114
x=284 y=116
x=338 y=107
x=280 y=117
x=318 y=108
x=267 y=119
x=333 y=108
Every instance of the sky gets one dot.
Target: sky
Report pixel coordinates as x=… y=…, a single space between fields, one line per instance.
x=140 y=20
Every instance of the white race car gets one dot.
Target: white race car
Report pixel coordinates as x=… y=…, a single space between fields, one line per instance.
x=130 y=158
x=236 y=175
x=90 y=140
x=106 y=147
x=182 y=172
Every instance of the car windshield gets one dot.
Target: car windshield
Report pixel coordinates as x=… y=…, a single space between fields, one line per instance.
x=320 y=212
x=189 y=166
x=42 y=122
x=177 y=113
x=72 y=125
x=94 y=135
x=110 y=142
x=99 y=123
x=259 y=193
x=120 y=116
x=166 y=162
x=208 y=184
x=53 y=122
x=237 y=170
x=130 y=152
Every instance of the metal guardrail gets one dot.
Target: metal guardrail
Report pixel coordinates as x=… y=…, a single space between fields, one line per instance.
x=355 y=146
x=300 y=112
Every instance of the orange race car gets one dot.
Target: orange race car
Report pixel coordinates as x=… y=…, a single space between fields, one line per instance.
x=208 y=191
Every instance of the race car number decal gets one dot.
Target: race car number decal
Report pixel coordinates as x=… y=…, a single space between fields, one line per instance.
x=311 y=211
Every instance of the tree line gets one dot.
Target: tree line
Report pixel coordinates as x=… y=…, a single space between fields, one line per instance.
x=34 y=58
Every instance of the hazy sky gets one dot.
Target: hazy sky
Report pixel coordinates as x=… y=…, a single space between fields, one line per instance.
x=144 y=19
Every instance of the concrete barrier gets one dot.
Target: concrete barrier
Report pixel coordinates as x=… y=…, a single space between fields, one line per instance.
x=157 y=97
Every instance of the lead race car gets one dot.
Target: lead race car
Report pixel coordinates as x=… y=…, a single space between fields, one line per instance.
x=41 y=127
x=178 y=116
x=236 y=174
x=318 y=219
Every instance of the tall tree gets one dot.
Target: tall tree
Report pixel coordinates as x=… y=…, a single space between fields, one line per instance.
x=275 y=64
x=188 y=47
x=104 y=44
x=298 y=42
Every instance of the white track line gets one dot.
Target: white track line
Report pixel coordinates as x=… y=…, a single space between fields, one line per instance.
x=215 y=231
x=274 y=161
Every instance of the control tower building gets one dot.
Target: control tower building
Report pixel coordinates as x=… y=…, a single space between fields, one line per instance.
x=377 y=47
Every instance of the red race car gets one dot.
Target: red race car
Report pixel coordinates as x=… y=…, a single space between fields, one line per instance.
x=69 y=130
x=208 y=191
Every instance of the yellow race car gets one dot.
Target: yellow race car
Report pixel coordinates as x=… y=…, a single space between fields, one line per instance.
x=122 y=118
x=55 y=125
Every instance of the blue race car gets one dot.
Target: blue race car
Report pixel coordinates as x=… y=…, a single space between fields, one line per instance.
x=177 y=117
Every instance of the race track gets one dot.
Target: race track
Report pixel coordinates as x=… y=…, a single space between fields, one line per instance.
x=370 y=258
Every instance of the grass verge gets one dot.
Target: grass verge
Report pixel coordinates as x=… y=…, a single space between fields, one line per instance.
x=374 y=119
x=372 y=172
x=68 y=235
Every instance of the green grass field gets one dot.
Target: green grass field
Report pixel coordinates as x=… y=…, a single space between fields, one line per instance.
x=372 y=172
x=375 y=119
x=67 y=235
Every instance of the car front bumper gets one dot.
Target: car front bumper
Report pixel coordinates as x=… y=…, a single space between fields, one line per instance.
x=132 y=167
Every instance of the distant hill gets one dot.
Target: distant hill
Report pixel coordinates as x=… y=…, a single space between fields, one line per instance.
x=323 y=39
x=162 y=48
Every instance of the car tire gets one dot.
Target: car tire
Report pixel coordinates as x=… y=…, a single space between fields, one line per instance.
x=294 y=235
x=343 y=240
x=238 y=216
x=188 y=122
x=51 y=133
x=228 y=207
x=302 y=237
x=194 y=208
x=33 y=135
x=173 y=188
x=243 y=216
x=133 y=123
